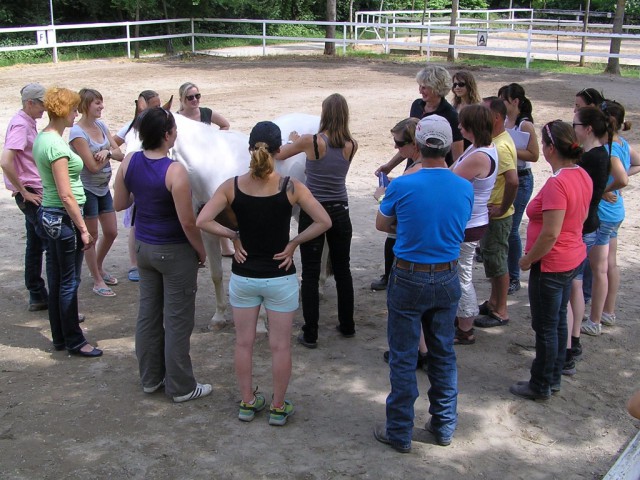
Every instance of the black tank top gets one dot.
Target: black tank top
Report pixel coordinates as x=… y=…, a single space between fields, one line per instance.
x=264 y=224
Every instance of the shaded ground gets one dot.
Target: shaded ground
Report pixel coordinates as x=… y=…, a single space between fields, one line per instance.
x=66 y=417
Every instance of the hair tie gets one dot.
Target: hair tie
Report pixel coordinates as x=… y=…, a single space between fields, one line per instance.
x=574 y=145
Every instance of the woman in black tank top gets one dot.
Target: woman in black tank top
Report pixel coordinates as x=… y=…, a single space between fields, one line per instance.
x=263 y=271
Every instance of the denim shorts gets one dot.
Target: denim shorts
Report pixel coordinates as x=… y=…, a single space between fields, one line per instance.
x=606 y=231
x=589 y=240
x=279 y=294
x=95 y=205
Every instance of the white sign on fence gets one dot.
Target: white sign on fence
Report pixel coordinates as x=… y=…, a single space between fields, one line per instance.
x=41 y=37
x=483 y=36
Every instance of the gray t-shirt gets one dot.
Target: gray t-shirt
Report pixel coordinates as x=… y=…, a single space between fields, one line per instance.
x=96 y=183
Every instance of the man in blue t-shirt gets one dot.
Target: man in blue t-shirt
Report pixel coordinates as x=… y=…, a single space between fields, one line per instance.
x=428 y=211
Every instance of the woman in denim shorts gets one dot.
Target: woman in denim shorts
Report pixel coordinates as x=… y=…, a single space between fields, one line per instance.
x=91 y=140
x=263 y=271
x=611 y=213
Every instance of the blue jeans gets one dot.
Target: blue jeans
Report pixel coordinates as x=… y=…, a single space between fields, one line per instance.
x=548 y=295
x=64 y=261
x=427 y=300
x=339 y=242
x=36 y=246
x=525 y=189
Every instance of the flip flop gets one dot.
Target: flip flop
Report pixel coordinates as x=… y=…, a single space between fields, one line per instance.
x=134 y=275
x=484 y=308
x=109 y=279
x=104 y=292
x=490 y=320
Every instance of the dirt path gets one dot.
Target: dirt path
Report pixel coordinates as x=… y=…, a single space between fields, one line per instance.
x=66 y=417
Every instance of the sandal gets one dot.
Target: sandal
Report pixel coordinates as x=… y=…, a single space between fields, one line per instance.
x=109 y=279
x=104 y=292
x=134 y=275
x=490 y=320
x=464 y=338
x=484 y=308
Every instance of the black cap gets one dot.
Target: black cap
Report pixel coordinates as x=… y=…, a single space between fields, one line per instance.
x=267 y=132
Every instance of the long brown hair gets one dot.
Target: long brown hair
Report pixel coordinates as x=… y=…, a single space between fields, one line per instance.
x=334 y=120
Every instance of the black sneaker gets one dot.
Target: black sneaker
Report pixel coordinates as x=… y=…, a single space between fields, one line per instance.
x=569 y=368
x=305 y=343
x=380 y=284
x=576 y=352
x=514 y=286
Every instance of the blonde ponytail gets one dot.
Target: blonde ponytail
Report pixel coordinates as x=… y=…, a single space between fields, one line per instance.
x=262 y=163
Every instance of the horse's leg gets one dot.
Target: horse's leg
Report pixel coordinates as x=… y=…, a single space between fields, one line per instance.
x=212 y=247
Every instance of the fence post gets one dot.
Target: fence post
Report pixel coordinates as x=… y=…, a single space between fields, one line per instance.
x=344 y=40
x=386 y=36
x=193 y=38
x=528 y=60
x=264 y=39
x=429 y=41
x=128 y=41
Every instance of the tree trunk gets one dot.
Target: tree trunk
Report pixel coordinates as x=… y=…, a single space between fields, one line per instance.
x=169 y=45
x=452 y=54
x=330 y=47
x=613 y=65
x=136 y=32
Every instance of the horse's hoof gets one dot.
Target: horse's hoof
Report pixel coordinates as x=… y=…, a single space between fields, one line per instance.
x=217 y=325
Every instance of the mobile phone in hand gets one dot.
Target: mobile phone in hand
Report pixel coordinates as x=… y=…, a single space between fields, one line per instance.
x=383 y=180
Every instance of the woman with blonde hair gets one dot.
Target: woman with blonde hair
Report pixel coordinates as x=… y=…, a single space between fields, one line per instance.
x=61 y=218
x=190 y=107
x=263 y=271
x=329 y=154
x=90 y=138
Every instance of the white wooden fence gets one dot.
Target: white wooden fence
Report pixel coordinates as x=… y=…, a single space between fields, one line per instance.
x=513 y=32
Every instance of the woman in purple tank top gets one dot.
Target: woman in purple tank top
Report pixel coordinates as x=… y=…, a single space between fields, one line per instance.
x=329 y=155
x=169 y=250
x=263 y=271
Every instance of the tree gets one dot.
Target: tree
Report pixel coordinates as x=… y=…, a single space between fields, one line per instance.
x=330 y=47
x=451 y=54
x=613 y=65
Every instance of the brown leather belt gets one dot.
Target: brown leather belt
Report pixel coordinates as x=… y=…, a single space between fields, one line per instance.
x=425 y=267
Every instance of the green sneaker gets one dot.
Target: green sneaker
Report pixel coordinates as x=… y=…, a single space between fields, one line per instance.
x=248 y=410
x=278 y=416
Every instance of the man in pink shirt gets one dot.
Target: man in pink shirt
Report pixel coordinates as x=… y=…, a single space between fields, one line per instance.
x=22 y=178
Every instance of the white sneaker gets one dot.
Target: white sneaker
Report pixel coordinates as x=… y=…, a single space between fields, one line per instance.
x=590 y=328
x=201 y=390
x=608 y=319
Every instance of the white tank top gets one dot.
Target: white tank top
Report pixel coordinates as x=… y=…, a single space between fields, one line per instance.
x=481 y=186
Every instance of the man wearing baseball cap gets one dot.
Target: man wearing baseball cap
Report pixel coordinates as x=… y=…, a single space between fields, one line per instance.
x=428 y=211
x=22 y=178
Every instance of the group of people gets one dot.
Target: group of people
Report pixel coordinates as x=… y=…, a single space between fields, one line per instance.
x=476 y=154
x=429 y=252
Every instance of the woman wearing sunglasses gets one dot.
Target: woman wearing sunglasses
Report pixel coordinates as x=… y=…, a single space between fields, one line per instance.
x=190 y=107
x=465 y=91
x=554 y=251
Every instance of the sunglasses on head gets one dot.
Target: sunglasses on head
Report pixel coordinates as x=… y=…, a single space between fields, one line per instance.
x=191 y=97
x=459 y=84
x=401 y=143
x=585 y=93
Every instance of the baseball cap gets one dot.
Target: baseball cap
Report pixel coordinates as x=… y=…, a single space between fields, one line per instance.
x=267 y=132
x=32 y=91
x=434 y=131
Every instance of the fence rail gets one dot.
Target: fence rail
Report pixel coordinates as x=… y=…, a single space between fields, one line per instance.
x=512 y=32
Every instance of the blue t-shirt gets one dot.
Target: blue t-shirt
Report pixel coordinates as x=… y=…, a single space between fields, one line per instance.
x=614 y=212
x=432 y=208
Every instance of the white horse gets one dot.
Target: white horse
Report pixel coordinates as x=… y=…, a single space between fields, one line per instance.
x=212 y=156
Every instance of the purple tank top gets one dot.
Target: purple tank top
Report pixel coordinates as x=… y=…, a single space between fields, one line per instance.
x=157 y=221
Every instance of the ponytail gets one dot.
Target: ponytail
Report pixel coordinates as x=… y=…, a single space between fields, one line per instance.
x=262 y=162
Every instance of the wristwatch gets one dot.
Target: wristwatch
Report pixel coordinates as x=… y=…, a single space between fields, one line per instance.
x=109 y=155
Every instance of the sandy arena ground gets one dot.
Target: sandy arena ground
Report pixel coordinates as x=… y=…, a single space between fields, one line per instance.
x=65 y=417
